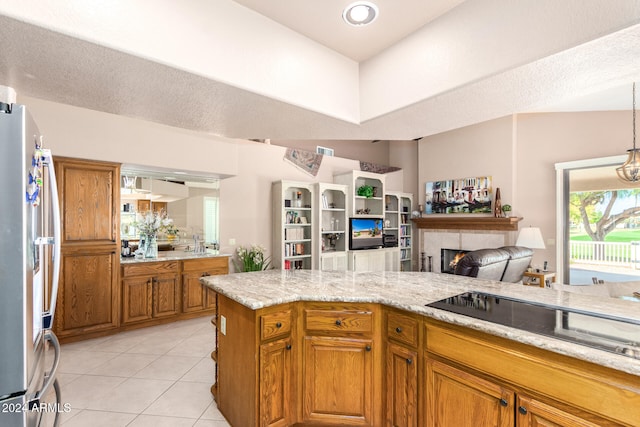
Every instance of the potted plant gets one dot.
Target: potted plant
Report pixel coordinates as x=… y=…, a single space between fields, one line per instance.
x=251 y=259
x=365 y=191
x=506 y=209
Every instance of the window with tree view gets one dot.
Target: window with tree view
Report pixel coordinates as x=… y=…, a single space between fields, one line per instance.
x=604 y=228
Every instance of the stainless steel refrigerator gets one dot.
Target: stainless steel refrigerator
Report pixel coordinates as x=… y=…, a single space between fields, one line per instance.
x=29 y=222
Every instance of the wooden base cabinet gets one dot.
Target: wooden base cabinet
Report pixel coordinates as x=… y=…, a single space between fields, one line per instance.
x=338 y=381
x=401 y=376
x=360 y=364
x=196 y=297
x=342 y=364
x=476 y=379
x=255 y=355
x=457 y=398
x=150 y=290
x=275 y=383
x=88 y=300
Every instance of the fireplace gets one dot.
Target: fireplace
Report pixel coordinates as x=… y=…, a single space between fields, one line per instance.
x=449 y=258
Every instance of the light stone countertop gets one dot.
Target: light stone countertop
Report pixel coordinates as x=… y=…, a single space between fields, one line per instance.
x=174 y=256
x=410 y=291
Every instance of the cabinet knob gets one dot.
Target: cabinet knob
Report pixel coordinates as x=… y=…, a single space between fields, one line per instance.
x=368 y=348
x=409 y=361
x=503 y=402
x=522 y=410
x=399 y=329
x=278 y=325
x=205 y=275
x=338 y=322
x=288 y=347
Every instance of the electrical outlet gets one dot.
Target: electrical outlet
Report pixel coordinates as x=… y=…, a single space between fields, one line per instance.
x=232 y=242
x=223 y=325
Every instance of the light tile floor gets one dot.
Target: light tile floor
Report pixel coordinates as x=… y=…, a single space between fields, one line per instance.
x=158 y=376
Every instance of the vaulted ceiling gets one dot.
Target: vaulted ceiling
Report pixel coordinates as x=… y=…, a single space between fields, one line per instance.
x=293 y=70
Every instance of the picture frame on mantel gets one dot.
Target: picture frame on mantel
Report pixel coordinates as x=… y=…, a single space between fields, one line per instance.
x=472 y=195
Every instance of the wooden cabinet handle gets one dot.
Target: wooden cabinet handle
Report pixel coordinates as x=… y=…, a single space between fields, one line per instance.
x=338 y=322
x=522 y=410
x=278 y=325
x=399 y=329
x=205 y=274
x=503 y=402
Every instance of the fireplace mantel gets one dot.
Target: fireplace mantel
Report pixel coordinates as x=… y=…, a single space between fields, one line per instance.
x=467 y=223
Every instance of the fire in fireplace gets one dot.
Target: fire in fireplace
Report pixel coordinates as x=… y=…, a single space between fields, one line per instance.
x=449 y=258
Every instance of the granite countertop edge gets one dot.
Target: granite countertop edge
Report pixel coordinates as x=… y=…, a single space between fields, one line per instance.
x=168 y=256
x=264 y=289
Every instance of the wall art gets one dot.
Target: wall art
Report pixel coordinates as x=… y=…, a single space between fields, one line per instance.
x=455 y=196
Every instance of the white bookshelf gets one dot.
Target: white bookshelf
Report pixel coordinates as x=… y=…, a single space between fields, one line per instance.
x=330 y=229
x=362 y=206
x=293 y=220
x=398 y=215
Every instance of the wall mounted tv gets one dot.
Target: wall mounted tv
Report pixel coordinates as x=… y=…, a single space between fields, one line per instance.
x=365 y=233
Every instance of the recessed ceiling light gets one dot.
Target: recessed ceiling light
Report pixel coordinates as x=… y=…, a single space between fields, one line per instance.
x=360 y=13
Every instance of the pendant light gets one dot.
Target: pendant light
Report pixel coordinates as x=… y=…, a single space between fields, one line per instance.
x=630 y=170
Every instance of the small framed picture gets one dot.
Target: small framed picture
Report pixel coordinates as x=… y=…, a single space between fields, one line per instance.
x=303 y=220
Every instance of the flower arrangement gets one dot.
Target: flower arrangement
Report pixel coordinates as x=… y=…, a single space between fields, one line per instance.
x=251 y=259
x=151 y=223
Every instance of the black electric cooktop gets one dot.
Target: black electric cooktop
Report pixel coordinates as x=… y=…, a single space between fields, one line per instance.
x=600 y=331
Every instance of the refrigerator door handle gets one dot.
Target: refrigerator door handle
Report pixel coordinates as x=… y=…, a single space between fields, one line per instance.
x=49 y=377
x=47 y=316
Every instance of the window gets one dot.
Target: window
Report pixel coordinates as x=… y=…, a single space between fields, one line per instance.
x=211 y=219
x=324 y=151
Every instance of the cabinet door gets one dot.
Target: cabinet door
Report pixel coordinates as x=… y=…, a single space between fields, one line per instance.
x=144 y=206
x=166 y=295
x=194 y=296
x=458 y=398
x=89 y=200
x=368 y=260
x=88 y=292
x=338 y=381
x=533 y=413
x=402 y=387
x=275 y=383
x=137 y=294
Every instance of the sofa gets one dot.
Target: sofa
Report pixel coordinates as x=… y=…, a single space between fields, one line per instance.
x=506 y=264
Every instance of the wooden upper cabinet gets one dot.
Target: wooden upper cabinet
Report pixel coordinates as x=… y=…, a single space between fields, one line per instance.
x=89 y=200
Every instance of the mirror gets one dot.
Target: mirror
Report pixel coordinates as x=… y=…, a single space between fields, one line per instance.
x=189 y=199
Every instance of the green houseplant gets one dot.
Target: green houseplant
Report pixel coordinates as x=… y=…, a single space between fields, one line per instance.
x=506 y=209
x=365 y=191
x=251 y=259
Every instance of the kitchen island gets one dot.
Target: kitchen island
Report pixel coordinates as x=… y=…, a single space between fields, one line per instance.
x=343 y=348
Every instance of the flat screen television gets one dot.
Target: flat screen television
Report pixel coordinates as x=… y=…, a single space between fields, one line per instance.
x=365 y=233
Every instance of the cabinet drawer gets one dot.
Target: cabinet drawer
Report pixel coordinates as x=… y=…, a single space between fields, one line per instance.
x=213 y=266
x=149 y=268
x=275 y=324
x=402 y=328
x=338 y=321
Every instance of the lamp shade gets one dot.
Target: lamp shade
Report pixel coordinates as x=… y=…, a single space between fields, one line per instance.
x=530 y=237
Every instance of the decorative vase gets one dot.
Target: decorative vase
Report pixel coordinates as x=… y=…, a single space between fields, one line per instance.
x=151 y=247
x=497 y=207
